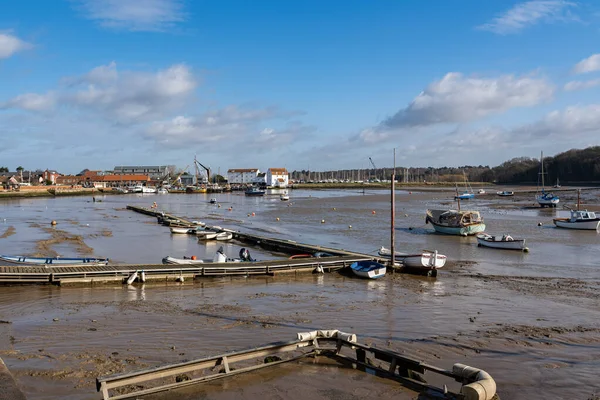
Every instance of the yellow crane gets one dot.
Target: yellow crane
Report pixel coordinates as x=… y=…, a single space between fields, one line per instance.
x=179 y=175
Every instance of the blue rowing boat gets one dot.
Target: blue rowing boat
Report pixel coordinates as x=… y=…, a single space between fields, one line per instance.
x=24 y=260
x=368 y=269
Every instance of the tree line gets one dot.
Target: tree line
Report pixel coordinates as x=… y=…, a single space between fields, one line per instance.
x=572 y=166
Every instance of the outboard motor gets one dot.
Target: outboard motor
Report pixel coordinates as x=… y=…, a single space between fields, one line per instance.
x=220 y=257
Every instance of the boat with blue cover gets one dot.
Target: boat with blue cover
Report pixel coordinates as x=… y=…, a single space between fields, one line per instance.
x=368 y=269
x=254 y=191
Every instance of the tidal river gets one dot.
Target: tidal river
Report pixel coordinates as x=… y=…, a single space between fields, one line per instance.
x=529 y=319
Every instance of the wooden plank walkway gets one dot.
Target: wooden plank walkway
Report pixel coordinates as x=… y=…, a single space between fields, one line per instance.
x=91 y=274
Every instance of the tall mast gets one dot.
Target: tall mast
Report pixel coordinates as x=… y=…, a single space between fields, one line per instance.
x=393 y=200
x=542 y=159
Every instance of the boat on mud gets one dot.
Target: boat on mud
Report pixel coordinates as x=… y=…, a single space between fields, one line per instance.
x=455 y=222
x=505 y=242
x=368 y=269
x=426 y=260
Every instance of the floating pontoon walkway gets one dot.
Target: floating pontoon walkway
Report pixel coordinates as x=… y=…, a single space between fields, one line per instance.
x=121 y=273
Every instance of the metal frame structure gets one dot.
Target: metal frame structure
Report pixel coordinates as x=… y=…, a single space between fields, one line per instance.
x=475 y=383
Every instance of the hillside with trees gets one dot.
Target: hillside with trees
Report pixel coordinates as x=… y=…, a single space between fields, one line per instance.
x=573 y=166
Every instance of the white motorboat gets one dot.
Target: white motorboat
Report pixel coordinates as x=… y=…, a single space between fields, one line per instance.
x=162 y=190
x=579 y=219
x=505 y=242
x=148 y=190
x=425 y=260
x=284 y=197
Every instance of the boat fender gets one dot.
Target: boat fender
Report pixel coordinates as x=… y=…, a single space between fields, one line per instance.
x=349 y=337
x=306 y=335
x=142 y=276
x=132 y=278
x=482 y=386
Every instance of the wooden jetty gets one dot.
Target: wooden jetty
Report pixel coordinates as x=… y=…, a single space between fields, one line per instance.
x=475 y=384
x=121 y=273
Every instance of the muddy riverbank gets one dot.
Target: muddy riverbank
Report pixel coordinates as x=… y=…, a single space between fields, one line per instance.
x=530 y=320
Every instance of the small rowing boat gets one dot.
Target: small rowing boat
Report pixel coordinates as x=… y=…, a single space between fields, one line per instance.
x=425 y=260
x=206 y=235
x=505 y=242
x=368 y=269
x=224 y=236
x=24 y=260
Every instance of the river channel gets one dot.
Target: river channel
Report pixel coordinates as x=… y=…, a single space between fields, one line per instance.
x=529 y=319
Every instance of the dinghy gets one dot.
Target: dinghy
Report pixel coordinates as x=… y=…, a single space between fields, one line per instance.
x=220 y=257
x=505 y=193
x=24 y=260
x=181 y=229
x=206 y=235
x=224 y=236
x=505 y=242
x=368 y=269
x=425 y=260
x=455 y=222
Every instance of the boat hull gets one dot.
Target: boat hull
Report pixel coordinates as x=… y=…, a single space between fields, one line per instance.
x=368 y=269
x=23 y=260
x=426 y=260
x=487 y=241
x=468 y=230
x=590 y=225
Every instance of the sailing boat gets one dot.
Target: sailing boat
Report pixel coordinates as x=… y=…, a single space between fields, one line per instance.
x=546 y=199
x=468 y=193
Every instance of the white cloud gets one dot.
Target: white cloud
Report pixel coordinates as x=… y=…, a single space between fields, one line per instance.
x=456 y=98
x=530 y=13
x=31 y=102
x=574 y=121
x=590 y=64
x=127 y=97
x=134 y=15
x=580 y=85
x=10 y=44
x=232 y=124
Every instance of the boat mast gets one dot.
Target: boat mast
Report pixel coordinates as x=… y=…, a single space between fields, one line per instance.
x=578 y=199
x=393 y=199
x=542 y=159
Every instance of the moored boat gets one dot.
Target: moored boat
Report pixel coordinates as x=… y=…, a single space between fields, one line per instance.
x=505 y=193
x=425 y=260
x=505 y=242
x=254 y=191
x=455 y=222
x=182 y=229
x=579 y=219
x=206 y=235
x=25 y=260
x=368 y=269
x=224 y=236
x=546 y=199
x=284 y=197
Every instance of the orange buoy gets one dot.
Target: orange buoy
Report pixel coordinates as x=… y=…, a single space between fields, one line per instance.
x=253 y=214
x=53 y=222
x=230 y=208
x=373 y=212
x=193 y=257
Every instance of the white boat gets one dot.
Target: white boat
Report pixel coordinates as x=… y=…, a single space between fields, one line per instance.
x=368 y=269
x=224 y=236
x=120 y=190
x=206 y=235
x=455 y=222
x=220 y=257
x=505 y=242
x=162 y=190
x=481 y=191
x=579 y=219
x=425 y=260
x=136 y=189
x=25 y=260
x=180 y=230
x=505 y=193
x=546 y=199
x=148 y=189
x=284 y=197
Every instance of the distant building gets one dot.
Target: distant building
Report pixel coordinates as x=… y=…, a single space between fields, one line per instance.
x=69 y=180
x=242 y=175
x=187 y=180
x=50 y=176
x=261 y=179
x=154 y=172
x=107 y=181
x=277 y=177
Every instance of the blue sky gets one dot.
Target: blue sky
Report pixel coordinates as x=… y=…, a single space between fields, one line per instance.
x=312 y=84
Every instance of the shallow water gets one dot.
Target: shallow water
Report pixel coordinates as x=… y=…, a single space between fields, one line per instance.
x=483 y=309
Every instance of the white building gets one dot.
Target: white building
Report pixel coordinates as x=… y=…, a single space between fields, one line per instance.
x=247 y=175
x=277 y=177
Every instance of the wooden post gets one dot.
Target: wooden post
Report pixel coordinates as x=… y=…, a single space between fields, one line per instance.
x=393 y=216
